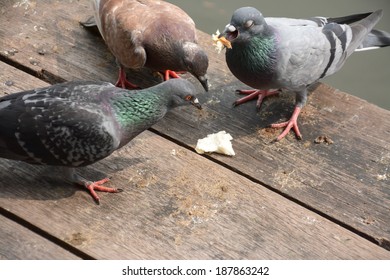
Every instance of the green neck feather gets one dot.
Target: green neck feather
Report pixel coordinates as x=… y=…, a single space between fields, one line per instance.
x=261 y=53
x=141 y=110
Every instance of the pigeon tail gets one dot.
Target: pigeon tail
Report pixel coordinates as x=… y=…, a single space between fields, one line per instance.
x=361 y=29
x=348 y=19
x=375 y=39
x=95 y=7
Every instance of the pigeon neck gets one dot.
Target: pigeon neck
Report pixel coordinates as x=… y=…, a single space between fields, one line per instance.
x=262 y=49
x=136 y=112
x=253 y=62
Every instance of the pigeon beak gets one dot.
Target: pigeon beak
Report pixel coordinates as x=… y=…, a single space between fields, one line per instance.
x=204 y=81
x=196 y=103
x=228 y=35
x=225 y=42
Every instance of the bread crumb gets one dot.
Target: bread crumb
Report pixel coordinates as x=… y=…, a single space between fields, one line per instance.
x=217 y=142
x=220 y=43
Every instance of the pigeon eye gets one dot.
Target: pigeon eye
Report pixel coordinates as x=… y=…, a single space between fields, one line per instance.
x=249 y=23
x=188 y=97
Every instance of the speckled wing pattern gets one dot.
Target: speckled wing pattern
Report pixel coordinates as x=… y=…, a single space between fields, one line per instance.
x=56 y=126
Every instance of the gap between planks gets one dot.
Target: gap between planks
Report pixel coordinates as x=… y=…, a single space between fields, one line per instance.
x=64 y=245
x=72 y=52
x=43 y=75
x=275 y=190
x=51 y=78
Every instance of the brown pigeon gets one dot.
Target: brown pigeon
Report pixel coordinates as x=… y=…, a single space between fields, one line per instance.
x=153 y=34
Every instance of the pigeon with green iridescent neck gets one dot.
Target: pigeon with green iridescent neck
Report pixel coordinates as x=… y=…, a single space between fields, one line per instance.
x=75 y=124
x=270 y=54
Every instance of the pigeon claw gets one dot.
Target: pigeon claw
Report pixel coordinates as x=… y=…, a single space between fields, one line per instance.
x=252 y=94
x=292 y=123
x=125 y=84
x=122 y=82
x=97 y=186
x=171 y=74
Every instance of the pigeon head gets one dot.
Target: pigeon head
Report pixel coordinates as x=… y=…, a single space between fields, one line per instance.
x=246 y=22
x=182 y=93
x=196 y=62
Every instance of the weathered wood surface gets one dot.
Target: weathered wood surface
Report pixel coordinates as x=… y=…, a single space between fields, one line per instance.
x=176 y=204
x=346 y=183
x=19 y=243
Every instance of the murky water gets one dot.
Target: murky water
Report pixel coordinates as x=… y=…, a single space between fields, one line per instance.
x=366 y=74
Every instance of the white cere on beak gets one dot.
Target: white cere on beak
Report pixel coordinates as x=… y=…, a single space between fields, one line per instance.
x=231 y=28
x=196 y=101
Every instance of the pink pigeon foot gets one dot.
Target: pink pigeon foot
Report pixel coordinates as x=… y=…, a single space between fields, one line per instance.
x=252 y=94
x=123 y=82
x=172 y=74
x=92 y=186
x=292 y=123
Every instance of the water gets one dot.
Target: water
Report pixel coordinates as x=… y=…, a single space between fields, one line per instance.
x=365 y=74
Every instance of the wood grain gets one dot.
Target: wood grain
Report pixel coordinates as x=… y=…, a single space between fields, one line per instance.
x=19 y=243
x=172 y=209
x=346 y=182
x=175 y=205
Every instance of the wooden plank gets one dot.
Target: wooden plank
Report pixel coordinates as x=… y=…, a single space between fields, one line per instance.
x=346 y=181
x=12 y=81
x=175 y=205
x=19 y=243
x=188 y=216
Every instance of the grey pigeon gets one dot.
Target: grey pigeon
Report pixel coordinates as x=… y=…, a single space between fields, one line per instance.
x=270 y=54
x=75 y=124
x=153 y=34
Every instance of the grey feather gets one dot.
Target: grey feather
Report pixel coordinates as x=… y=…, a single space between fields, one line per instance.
x=76 y=124
x=375 y=39
x=283 y=53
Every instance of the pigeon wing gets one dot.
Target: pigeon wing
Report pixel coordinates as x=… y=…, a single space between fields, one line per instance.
x=43 y=127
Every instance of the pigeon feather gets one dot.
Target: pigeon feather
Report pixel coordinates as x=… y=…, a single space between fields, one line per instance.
x=153 y=34
x=76 y=124
x=292 y=54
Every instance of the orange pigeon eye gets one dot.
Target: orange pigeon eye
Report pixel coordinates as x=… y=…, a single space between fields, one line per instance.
x=188 y=97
